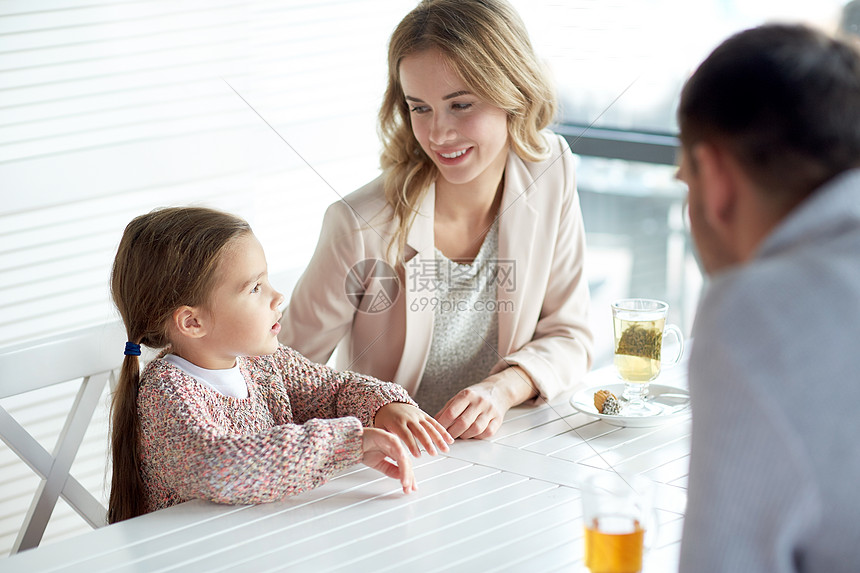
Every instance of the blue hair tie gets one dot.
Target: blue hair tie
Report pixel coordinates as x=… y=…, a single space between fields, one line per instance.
x=132 y=349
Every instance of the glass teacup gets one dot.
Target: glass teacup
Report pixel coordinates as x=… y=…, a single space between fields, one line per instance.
x=640 y=328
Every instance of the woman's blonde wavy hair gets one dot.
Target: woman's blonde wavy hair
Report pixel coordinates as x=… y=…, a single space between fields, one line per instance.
x=487 y=44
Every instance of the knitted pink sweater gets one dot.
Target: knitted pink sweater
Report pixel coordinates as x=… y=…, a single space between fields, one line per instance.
x=300 y=424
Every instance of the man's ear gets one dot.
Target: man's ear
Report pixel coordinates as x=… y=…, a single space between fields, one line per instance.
x=718 y=183
x=189 y=322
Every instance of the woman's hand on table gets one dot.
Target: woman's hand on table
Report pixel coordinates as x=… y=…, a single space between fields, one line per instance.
x=478 y=410
x=377 y=445
x=414 y=427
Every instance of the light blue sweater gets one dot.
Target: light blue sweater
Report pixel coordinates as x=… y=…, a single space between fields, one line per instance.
x=775 y=383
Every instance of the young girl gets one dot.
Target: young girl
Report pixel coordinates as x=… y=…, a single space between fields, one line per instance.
x=225 y=413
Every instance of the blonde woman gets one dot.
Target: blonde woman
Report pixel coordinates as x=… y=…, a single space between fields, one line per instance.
x=458 y=273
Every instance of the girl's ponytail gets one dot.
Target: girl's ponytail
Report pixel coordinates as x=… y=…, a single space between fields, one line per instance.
x=127 y=492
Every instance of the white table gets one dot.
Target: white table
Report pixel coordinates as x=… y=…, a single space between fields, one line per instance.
x=511 y=503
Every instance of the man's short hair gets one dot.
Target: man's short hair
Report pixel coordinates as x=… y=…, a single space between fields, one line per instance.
x=785 y=100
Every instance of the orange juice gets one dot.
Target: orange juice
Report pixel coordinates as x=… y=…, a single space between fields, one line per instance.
x=613 y=544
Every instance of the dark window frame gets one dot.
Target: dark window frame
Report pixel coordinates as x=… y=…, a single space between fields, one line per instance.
x=647 y=147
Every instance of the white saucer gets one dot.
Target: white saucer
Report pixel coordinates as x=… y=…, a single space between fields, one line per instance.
x=674 y=403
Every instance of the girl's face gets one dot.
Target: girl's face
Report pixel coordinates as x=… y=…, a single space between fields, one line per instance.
x=242 y=312
x=465 y=137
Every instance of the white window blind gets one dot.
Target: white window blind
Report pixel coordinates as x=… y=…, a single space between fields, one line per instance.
x=111 y=108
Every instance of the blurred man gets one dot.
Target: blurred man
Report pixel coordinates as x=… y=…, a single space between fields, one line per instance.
x=770 y=131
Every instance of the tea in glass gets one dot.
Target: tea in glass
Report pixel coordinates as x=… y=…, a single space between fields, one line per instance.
x=637 y=348
x=640 y=326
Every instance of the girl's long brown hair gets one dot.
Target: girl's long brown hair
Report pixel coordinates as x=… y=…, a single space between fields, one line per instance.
x=166 y=259
x=487 y=44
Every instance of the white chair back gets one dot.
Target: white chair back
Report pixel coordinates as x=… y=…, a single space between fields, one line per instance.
x=94 y=355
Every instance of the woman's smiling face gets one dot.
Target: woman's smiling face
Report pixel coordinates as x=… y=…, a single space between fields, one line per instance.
x=463 y=135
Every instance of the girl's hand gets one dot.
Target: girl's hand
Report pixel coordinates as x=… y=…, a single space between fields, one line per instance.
x=478 y=410
x=410 y=424
x=377 y=445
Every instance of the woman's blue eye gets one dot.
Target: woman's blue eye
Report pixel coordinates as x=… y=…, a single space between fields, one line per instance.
x=418 y=109
x=256 y=288
x=461 y=105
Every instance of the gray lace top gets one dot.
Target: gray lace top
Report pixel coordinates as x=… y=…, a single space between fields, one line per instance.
x=465 y=326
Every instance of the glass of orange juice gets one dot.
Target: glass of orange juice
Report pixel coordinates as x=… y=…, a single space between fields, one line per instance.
x=618 y=513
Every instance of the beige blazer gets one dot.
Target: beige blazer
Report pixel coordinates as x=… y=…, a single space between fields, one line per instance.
x=541 y=290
